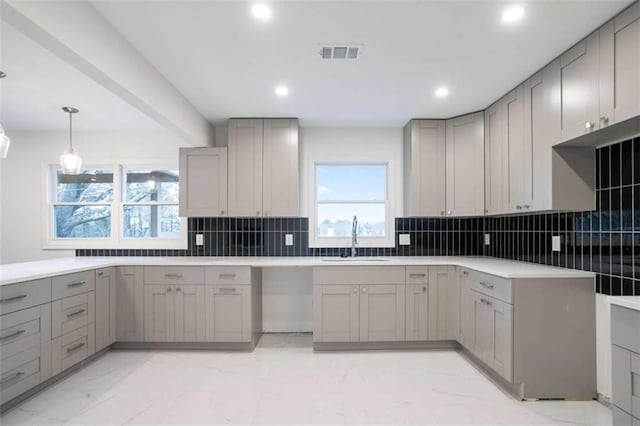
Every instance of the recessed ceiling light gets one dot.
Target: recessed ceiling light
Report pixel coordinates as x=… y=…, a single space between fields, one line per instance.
x=282 y=91
x=261 y=11
x=512 y=14
x=442 y=92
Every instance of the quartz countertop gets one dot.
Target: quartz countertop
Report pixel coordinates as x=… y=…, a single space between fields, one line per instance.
x=17 y=272
x=631 y=302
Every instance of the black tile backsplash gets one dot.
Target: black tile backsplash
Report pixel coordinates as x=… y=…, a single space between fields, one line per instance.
x=605 y=241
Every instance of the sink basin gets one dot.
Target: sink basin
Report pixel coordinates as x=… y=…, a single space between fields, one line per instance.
x=354 y=259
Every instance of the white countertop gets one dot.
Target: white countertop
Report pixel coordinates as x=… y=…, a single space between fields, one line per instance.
x=631 y=302
x=17 y=272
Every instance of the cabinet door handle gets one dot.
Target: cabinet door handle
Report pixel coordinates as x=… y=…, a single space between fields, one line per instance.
x=227 y=276
x=178 y=289
x=518 y=207
x=589 y=125
x=228 y=289
x=482 y=300
x=173 y=276
x=168 y=289
x=75 y=348
x=12 y=335
x=465 y=273
x=364 y=289
x=76 y=313
x=13 y=299
x=527 y=206
x=487 y=285
x=424 y=289
x=221 y=211
x=604 y=119
x=449 y=212
x=417 y=275
x=441 y=212
x=257 y=213
x=12 y=378
x=100 y=273
x=489 y=302
x=78 y=284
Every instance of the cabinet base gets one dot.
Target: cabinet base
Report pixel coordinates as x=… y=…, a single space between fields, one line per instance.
x=367 y=346
x=221 y=346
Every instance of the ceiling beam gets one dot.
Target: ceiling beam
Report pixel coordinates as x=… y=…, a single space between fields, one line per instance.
x=77 y=33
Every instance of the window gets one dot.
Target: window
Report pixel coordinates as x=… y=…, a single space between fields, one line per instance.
x=345 y=190
x=114 y=207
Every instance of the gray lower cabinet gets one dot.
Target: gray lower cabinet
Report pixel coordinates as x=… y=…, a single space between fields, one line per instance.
x=336 y=313
x=130 y=304
x=382 y=312
x=417 y=312
x=625 y=364
x=228 y=313
x=106 y=281
x=174 y=313
x=444 y=303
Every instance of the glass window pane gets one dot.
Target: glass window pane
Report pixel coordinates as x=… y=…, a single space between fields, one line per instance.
x=351 y=183
x=90 y=186
x=152 y=185
x=335 y=220
x=154 y=221
x=82 y=221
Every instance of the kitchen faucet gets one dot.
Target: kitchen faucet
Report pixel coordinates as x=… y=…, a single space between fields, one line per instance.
x=354 y=236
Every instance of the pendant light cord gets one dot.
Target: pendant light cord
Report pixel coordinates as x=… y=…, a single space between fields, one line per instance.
x=71 y=131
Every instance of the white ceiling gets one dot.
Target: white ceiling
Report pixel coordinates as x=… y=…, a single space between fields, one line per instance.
x=227 y=64
x=38 y=84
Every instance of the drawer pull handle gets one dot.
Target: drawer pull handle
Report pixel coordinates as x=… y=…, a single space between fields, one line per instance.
x=173 y=276
x=228 y=276
x=76 y=313
x=100 y=273
x=417 y=275
x=424 y=289
x=13 y=299
x=75 y=348
x=487 y=285
x=12 y=378
x=489 y=302
x=228 y=289
x=12 y=335
x=78 y=284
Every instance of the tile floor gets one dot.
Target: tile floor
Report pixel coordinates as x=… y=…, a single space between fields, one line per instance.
x=284 y=382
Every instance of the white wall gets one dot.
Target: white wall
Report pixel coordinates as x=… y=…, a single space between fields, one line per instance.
x=22 y=187
x=287 y=300
x=603 y=345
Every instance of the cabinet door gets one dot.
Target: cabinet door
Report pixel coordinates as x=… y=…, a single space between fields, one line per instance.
x=105 y=307
x=481 y=336
x=579 y=73
x=336 y=313
x=203 y=182
x=280 y=168
x=494 y=151
x=625 y=381
x=130 y=304
x=467 y=333
x=465 y=174
x=228 y=313
x=159 y=315
x=189 y=313
x=425 y=174
x=444 y=303
x=382 y=312
x=417 y=312
x=501 y=337
x=245 y=167
x=620 y=67
x=514 y=131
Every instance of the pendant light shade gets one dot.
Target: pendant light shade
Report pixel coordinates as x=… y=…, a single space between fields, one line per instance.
x=70 y=161
x=4 y=143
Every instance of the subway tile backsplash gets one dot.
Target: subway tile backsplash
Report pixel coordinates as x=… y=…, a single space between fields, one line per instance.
x=605 y=241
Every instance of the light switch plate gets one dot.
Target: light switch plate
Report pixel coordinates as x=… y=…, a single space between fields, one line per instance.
x=199 y=239
x=405 y=239
x=555 y=243
x=288 y=239
x=487 y=239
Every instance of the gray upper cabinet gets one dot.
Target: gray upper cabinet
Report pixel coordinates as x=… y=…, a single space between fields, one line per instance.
x=245 y=167
x=518 y=178
x=465 y=174
x=579 y=73
x=280 y=168
x=203 y=182
x=424 y=168
x=494 y=159
x=620 y=67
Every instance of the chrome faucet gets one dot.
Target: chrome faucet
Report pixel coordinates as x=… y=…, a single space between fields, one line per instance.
x=354 y=236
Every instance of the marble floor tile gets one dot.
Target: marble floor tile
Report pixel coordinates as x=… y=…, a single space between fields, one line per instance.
x=284 y=382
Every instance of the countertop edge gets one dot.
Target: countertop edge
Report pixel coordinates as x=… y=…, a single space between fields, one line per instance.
x=630 y=302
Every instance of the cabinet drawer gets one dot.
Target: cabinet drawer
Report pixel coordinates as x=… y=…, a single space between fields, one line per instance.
x=19 y=373
x=625 y=324
x=491 y=285
x=24 y=295
x=72 y=313
x=72 y=284
x=227 y=275
x=417 y=275
x=72 y=348
x=24 y=329
x=334 y=275
x=174 y=275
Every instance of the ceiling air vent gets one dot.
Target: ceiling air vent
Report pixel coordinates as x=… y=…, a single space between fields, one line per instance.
x=349 y=52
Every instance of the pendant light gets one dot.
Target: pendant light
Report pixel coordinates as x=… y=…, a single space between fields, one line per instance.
x=4 y=139
x=70 y=161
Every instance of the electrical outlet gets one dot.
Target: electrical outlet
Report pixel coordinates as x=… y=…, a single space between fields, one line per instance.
x=555 y=243
x=487 y=239
x=199 y=239
x=405 y=239
x=288 y=239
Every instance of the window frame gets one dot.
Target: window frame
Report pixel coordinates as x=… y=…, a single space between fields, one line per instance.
x=117 y=240
x=316 y=241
